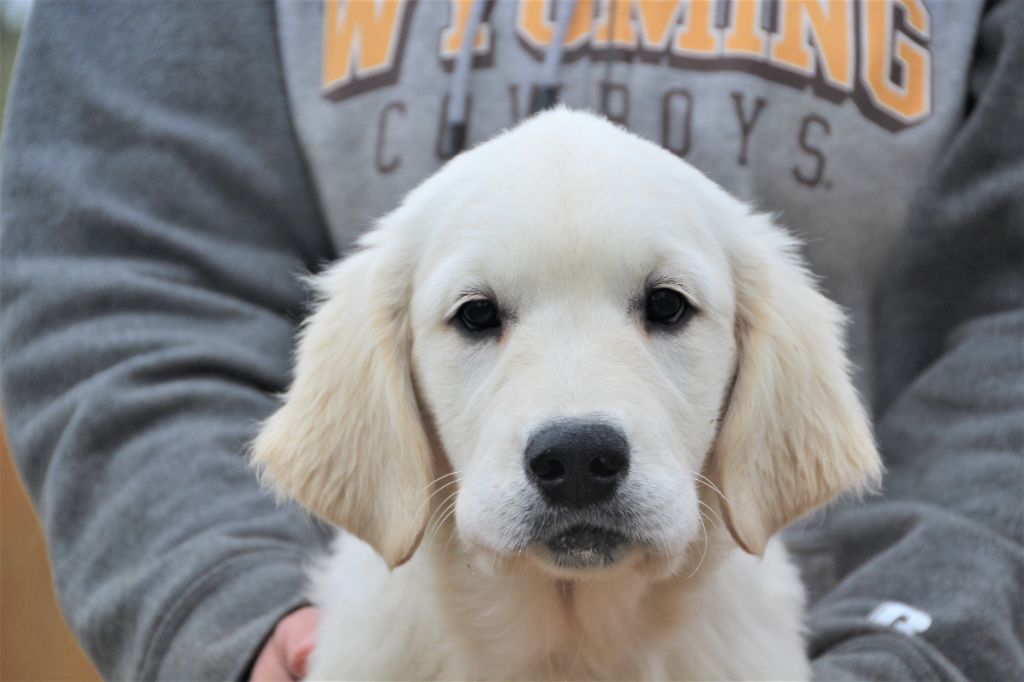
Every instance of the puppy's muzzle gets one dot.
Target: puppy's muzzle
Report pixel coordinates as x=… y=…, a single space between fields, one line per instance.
x=576 y=463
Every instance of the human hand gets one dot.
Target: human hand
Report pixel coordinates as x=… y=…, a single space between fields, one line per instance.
x=284 y=656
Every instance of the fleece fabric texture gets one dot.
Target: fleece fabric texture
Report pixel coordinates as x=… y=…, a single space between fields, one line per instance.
x=170 y=170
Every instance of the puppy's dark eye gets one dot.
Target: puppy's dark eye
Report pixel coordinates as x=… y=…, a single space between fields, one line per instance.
x=666 y=306
x=479 y=315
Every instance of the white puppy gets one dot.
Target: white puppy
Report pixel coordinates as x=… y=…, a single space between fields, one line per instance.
x=564 y=396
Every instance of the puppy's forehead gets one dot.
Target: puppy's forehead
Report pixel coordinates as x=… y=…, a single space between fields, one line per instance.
x=570 y=199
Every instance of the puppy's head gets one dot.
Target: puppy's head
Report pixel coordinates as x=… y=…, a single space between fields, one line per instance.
x=582 y=324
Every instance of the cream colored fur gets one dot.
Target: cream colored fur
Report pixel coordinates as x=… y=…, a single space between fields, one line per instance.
x=410 y=434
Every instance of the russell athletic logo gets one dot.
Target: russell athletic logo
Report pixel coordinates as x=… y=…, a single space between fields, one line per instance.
x=874 y=52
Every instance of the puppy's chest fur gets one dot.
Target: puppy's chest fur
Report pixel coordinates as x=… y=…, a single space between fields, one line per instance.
x=440 y=617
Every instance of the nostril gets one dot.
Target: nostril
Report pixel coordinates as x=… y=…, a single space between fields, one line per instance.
x=576 y=463
x=547 y=469
x=604 y=466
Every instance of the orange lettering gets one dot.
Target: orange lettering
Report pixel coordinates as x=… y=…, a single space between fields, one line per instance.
x=830 y=23
x=535 y=25
x=746 y=37
x=453 y=36
x=697 y=37
x=615 y=20
x=657 y=19
x=910 y=100
x=359 y=39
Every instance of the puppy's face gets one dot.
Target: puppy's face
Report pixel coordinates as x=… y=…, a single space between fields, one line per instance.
x=587 y=325
x=572 y=338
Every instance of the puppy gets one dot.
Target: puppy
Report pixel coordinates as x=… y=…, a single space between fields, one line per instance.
x=561 y=400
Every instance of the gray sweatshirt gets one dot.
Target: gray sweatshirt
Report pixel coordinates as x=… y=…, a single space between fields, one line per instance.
x=170 y=169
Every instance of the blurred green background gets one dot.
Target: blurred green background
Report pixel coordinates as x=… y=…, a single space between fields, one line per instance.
x=35 y=644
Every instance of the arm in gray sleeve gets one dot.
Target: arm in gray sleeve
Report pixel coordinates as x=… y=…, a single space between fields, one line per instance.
x=155 y=213
x=945 y=538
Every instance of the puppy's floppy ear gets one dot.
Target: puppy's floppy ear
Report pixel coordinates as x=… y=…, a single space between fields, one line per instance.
x=794 y=434
x=348 y=443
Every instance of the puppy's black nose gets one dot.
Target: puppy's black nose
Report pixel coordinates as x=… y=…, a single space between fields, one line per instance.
x=577 y=463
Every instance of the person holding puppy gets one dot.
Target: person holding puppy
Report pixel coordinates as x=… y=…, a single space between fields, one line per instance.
x=168 y=170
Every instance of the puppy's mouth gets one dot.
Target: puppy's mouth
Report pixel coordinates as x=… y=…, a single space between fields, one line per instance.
x=584 y=546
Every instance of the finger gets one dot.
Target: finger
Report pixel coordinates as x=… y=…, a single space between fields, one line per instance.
x=301 y=628
x=270 y=666
x=298 y=663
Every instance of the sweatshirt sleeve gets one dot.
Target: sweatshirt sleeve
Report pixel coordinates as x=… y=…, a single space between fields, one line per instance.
x=156 y=212
x=945 y=536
